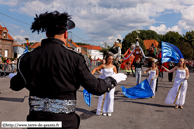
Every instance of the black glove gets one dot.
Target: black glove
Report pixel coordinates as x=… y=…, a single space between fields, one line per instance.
x=111 y=82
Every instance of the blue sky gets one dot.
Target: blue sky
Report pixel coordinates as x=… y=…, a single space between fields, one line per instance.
x=99 y=21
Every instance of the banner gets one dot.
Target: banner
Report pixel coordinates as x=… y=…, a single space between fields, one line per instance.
x=142 y=90
x=87 y=97
x=170 y=53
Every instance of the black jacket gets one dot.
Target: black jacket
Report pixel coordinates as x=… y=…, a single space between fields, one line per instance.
x=56 y=72
x=138 y=65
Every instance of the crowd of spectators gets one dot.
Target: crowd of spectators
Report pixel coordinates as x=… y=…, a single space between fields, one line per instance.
x=190 y=65
x=8 y=65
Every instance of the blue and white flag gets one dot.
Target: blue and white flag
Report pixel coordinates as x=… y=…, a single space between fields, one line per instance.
x=142 y=90
x=26 y=50
x=87 y=97
x=170 y=53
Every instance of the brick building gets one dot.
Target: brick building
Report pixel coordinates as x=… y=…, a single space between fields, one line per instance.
x=6 y=43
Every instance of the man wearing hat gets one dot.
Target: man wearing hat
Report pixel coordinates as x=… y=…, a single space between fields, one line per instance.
x=52 y=73
x=116 y=51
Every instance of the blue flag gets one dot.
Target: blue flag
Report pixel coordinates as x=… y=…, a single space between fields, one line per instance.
x=87 y=97
x=142 y=90
x=170 y=53
x=26 y=50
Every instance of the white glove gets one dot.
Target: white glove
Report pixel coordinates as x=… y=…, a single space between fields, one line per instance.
x=119 y=77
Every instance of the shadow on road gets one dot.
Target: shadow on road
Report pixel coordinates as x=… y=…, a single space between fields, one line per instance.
x=12 y=99
x=86 y=114
x=150 y=104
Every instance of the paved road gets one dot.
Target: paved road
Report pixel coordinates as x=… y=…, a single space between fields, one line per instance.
x=128 y=113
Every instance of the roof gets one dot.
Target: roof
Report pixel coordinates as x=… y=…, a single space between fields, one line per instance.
x=16 y=45
x=83 y=52
x=148 y=43
x=91 y=47
x=3 y=28
x=68 y=45
x=8 y=36
x=35 y=45
x=74 y=44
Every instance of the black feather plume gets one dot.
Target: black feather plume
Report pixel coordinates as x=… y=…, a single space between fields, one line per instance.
x=50 y=21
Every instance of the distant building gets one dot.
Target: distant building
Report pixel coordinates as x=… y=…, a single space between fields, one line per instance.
x=93 y=51
x=69 y=44
x=6 y=43
x=18 y=50
x=150 y=42
x=75 y=47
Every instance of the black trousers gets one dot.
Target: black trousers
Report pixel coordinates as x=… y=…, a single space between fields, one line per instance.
x=170 y=75
x=156 y=85
x=69 y=121
x=117 y=67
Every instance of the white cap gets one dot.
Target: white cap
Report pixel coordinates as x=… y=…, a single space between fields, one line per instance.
x=137 y=44
x=156 y=60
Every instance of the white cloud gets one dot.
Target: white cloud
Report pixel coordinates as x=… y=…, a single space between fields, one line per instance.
x=20 y=39
x=9 y=2
x=162 y=29
x=187 y=18
x=101 y=19
x=21 y=31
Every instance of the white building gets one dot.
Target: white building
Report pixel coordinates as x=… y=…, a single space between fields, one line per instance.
x=93 y=51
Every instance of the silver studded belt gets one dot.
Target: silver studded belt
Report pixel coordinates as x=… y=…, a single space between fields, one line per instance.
x=51 y=105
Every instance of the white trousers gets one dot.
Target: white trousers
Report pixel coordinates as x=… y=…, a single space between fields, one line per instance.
x=108 y=103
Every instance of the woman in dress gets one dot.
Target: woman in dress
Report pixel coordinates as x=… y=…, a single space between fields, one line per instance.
x=108 y=69
x=152 y=77
x=177 y=93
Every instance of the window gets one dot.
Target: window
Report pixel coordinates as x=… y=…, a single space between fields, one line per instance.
x=6 y=52
x=4 y=35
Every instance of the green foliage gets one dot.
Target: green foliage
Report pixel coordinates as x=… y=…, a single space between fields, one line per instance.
x=189 y=38
x=78 y=43
x=172 y=37
x=186 y=49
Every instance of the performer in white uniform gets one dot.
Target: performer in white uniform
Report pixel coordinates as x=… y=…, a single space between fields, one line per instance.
x=177 y=93
x=152 y=77
x=107 y=70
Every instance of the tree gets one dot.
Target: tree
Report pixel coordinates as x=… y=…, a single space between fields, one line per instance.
x=172 y=37
x=186 y=49
x=189 y=38
x=148 y=34
x=78 y=43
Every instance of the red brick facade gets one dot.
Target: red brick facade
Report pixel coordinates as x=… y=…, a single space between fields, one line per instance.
x=6 y=43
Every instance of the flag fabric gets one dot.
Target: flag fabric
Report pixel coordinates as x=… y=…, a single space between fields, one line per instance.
x=26 y=50
x=142 y=90
x=170 y=53
x=87 y=97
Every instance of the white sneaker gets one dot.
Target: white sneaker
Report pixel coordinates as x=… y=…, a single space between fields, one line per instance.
x=109 y=114
x=104 y=114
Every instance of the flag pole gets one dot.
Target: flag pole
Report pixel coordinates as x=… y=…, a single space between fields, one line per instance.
x=102 y=103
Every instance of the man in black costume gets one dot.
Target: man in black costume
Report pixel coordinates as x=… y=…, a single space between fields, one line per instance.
x=52 y=73
x=116 y=51
x=170 y=75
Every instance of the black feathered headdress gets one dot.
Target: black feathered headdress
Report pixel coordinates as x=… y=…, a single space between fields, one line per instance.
x=53 y=23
